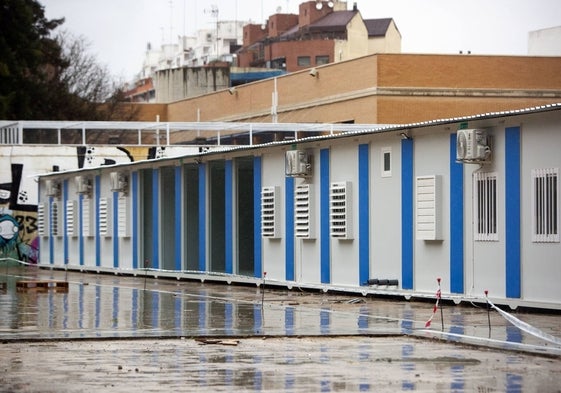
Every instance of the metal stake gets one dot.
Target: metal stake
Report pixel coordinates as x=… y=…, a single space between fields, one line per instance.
x=488 y=312
x=145 y=272
x=440 y=302
x=263 y=290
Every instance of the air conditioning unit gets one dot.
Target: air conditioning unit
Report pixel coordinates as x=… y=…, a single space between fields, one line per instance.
x=119 y=182
x=298 y=163
x=472 y=145
x=52 y=188
x=83 y=185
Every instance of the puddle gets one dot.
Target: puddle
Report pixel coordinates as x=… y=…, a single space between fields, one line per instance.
x=126 y=306
x=103 y=333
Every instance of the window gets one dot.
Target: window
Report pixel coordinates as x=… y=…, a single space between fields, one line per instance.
x=545 y=190
x=485 y=206
x=304 y=61
x=322 y=60
x=386 y=161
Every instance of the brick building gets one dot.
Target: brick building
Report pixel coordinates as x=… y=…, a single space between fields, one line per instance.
x=380 y=89
x=323 y=32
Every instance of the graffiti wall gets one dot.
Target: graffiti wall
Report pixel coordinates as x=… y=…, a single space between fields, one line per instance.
x=19 y=166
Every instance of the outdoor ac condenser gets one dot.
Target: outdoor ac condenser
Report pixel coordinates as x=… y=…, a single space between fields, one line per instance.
x=83 y=185
x=298 y=163
x=119 y=182
x=52 y=188
x=472 y=145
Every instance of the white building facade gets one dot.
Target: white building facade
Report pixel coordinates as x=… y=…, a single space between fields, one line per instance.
x=471 y=201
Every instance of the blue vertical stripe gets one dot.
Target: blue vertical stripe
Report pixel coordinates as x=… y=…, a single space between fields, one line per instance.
x=38 y=238
x=51 y=237
x=325 y=247
x=115 y=230
x=134 y=187
x=512 y=213
x=289 y=238
x=81 y=229
x=257 y=245
x=65 y=220
x=97 y=182
x=228 y=219
x=456 y=220
x=178 y=217
x=156 y=218
x=202 y=217
x=363 y=213
x=407 y=213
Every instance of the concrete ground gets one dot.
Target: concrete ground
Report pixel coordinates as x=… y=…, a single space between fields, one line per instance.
x=125 y=333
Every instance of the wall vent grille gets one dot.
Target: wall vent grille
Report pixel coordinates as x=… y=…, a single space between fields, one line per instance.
x=71 y=221
x=87 y=217
x=427 y=191
x=270 y=212
x=104 y=217
x=42 y=227
x=123 y=217
x=340 y=216
x=303 y=220
x=55 y=219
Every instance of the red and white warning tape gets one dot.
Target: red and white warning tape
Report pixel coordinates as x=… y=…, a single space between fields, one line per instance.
x=435 y=308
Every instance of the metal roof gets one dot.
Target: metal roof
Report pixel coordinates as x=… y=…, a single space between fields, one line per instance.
x=377 y=27
x=351 y=130
x=336 y=20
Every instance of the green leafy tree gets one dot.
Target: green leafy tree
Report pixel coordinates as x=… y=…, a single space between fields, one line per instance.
x=25 y=49
x=48 y=76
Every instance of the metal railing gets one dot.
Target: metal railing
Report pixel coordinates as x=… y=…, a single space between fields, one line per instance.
x=164 y=133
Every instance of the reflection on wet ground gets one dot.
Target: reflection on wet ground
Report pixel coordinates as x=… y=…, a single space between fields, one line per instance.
x=103 y=329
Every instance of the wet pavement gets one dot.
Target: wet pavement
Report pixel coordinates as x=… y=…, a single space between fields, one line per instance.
x=123 y=333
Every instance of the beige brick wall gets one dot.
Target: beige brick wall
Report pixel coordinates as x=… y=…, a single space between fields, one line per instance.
x=386 y=88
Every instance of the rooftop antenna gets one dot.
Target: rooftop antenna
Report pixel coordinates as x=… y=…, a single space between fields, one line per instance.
x=170 y=21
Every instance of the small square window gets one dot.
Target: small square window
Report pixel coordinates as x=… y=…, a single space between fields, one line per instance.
x=386 y=162
x=320 y=60
x=304 y=61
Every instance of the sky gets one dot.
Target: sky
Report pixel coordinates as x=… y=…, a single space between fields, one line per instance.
x=118 y=31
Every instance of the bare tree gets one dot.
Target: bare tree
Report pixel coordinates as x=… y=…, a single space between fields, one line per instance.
x=90 y=82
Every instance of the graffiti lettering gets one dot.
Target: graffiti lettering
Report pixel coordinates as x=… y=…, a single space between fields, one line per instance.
x=18 y=236
x=27 y=224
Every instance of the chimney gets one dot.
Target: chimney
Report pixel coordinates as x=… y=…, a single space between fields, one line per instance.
x=355 y=8
x=311 y=11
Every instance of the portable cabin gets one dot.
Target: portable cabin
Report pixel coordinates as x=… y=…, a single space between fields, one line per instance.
x=473 y=201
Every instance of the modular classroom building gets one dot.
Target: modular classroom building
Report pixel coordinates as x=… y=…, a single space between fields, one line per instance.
x=473 y=201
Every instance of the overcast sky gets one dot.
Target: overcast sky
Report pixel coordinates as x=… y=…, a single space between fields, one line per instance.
x=119 y=30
